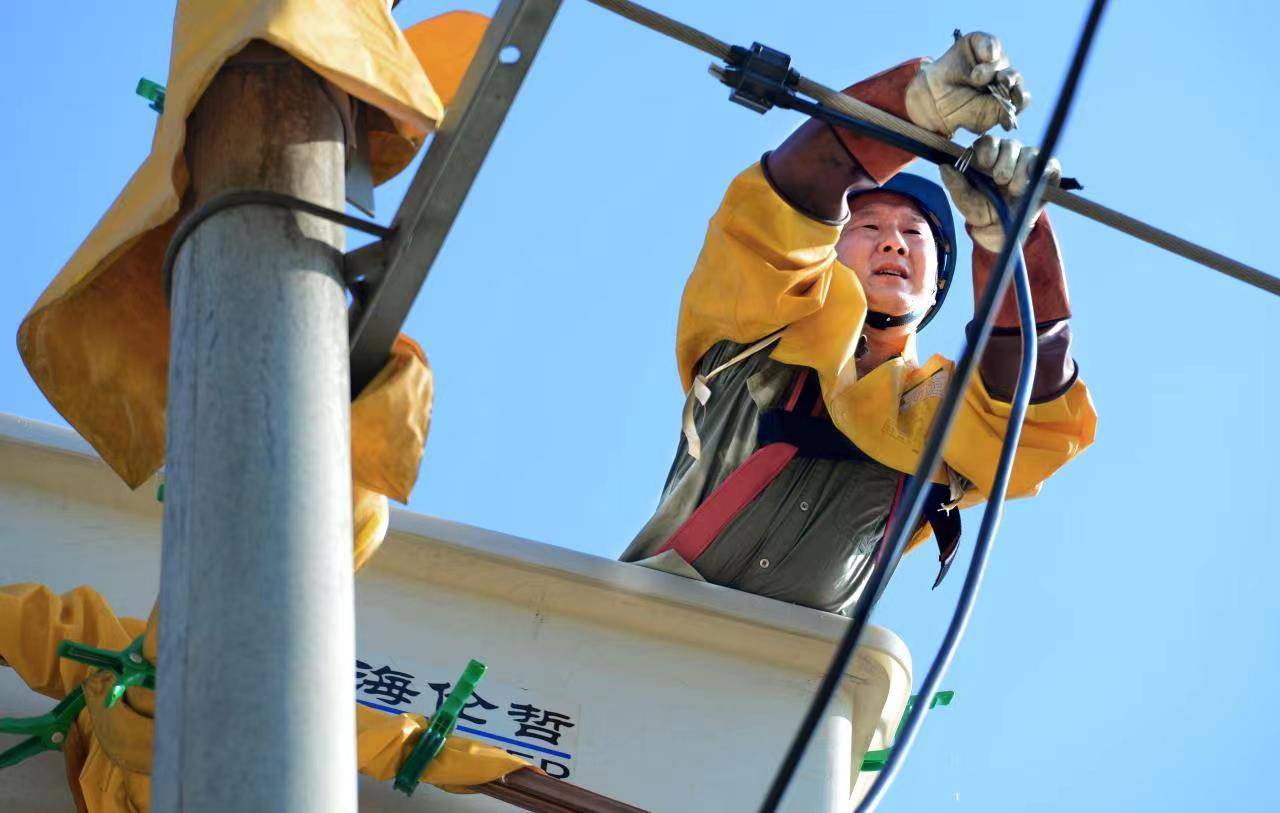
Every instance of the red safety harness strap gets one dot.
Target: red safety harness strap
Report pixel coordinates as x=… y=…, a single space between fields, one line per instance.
x=727 y=501
x=696 y=533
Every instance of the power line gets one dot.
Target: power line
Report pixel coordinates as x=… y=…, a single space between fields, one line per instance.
x=858 y=109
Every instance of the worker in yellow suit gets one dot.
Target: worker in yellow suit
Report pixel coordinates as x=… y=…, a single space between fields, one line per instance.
x=806 y=404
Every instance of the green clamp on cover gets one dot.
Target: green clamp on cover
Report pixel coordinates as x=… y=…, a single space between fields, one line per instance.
x=48 y=732
x=129 y=667
x=441 y=727
x=876 y=760
x=152 y=92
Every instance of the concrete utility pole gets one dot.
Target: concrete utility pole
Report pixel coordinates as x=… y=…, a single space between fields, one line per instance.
x=255 y=704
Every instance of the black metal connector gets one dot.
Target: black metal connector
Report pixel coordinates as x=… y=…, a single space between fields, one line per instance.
x=759 y=76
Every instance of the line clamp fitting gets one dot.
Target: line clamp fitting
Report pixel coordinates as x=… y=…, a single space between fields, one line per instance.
x=760 y=77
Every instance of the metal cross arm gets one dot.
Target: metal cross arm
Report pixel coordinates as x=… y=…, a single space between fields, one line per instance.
x=385 y=276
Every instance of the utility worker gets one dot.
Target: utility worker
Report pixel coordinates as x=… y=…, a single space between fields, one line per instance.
x=807 y=407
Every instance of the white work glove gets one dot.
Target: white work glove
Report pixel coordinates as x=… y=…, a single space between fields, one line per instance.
x=952 y=92
x=1009 y=165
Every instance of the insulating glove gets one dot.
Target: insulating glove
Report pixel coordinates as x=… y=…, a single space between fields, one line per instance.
x=1009 y=164
x=955 y=90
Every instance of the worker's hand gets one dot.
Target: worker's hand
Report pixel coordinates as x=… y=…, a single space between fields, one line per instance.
x=956 y=90
x=1009 y=165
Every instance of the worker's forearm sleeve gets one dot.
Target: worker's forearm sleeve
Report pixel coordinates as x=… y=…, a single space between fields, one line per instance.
x=886 y=90
x=1002 y=358
x=1045 y=273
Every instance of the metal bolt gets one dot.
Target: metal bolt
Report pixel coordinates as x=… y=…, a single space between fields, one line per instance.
x=135 y=657
x=56 y=737
x=764 y=563
x=804 y=506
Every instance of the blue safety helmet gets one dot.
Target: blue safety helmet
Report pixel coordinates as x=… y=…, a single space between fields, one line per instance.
x=934 y=204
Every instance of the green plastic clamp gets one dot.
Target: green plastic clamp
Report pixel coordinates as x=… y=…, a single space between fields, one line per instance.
x=441 y=727
x=876 y=760
x=129 y=667
x=47 y=732
x=152 y=92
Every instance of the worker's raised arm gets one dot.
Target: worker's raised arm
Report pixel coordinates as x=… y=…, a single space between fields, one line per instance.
x=1009 y=164
x=1061 y=420
x=819 y=165
x=769 y=258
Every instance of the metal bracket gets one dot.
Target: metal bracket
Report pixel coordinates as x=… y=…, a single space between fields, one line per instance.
x=359 y=179
x=389 y=277
x=759 y=76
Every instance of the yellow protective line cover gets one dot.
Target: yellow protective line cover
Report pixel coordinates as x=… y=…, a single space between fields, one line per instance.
x=108 y=752
x=96 y=342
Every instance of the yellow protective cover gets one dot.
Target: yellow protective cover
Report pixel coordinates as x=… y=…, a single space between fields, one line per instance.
x=96 y=342
x=765 y=266
x=108 y=751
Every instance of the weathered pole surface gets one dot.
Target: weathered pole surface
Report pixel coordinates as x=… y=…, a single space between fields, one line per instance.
x=255 y=707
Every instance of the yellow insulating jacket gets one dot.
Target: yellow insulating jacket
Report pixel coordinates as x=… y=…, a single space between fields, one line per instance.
x=97 y=340
x=108 y=751
x=765 y=266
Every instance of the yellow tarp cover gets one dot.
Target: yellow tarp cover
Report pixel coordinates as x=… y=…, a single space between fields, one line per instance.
x=765 y=266
x=108 y=751
x=96 y=342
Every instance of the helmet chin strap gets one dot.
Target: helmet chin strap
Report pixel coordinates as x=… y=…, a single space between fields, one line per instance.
x=881 y=320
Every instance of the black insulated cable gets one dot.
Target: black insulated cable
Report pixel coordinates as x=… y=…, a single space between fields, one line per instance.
x=890 y=550
x=991 y=516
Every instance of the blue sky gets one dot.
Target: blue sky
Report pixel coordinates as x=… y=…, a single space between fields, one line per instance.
x=1124 y=643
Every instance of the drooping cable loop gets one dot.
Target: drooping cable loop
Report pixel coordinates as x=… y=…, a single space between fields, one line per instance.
x=890 y=550
x=991 y=516
x=839 y=102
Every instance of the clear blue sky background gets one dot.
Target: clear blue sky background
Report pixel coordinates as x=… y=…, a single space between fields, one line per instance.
x=1124 y=646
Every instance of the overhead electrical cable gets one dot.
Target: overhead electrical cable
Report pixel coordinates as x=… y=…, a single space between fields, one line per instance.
x=890 y=550
x=855 y=108
x=991 y=517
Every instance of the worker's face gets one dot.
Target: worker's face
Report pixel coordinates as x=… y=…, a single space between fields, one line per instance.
x=889 y=245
